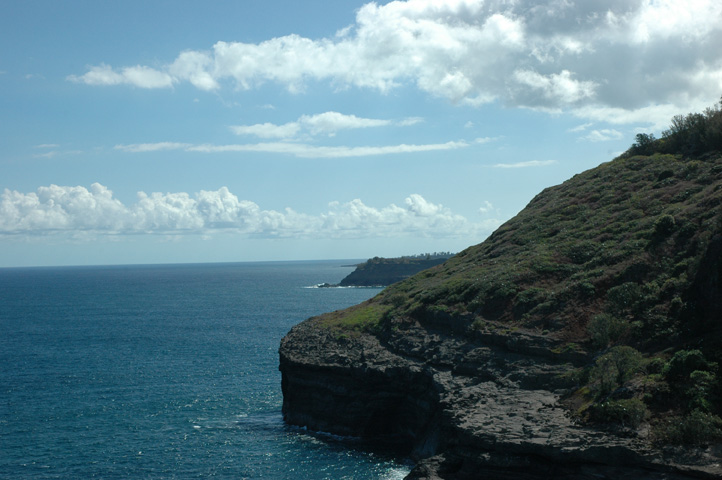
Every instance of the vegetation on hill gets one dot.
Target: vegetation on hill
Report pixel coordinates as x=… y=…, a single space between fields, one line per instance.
x=690 y=135
x=620 y=265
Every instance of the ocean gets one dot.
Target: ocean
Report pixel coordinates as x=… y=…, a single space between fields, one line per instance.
x=164 y=371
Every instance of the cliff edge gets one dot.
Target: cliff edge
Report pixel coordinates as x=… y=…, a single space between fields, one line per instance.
x=580 y=340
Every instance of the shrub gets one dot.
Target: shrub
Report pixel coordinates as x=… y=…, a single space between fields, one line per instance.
x=655 y=366
x=582 y=251
x=683 y=363
x=697 y=428
x=699 y=391
x=528 y=299
x=604 y=329
x=664 y=226
x=664 y=174
x=627 y=361
x=627 y=412
x=615 y=367
x=624 y=298
x=396 y=300
x=585 y=289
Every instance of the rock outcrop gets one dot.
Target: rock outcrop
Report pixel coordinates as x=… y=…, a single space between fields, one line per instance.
x=463 y=407
x=506 y=361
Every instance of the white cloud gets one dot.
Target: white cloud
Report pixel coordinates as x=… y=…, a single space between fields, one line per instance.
x=193 y=67
x=584 y=57
x=49 y=154
x=530 y=163
x=153 y=147
x=603 y=135
x=300 y=150
x=659 y=115
x=311 y=151
x=328 y=123
x=268 y=130
x=53 y=150
x=559 y=88
x=68 y=210
x=410 y=121
x=580 y=128
x=146 y=77
x=418 y=217
x=486 y=207
x=57 y=208
x=139 y=76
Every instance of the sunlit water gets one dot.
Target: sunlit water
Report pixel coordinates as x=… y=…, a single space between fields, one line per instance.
x=163 y=372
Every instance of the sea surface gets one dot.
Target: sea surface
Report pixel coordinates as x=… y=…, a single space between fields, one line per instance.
x=164 y=371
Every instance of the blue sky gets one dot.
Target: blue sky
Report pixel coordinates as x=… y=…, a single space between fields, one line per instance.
x=187 y=131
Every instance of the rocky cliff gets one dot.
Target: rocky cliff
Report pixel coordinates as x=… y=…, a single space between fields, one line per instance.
x=581 y=340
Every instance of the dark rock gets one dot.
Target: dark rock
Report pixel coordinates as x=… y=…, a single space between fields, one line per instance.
x=495 y=423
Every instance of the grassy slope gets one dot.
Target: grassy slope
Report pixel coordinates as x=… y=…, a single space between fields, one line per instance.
x=623 y=254
x=644 y=221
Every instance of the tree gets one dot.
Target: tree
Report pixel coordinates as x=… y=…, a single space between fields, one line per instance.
x=644 y=144
x=615 y=367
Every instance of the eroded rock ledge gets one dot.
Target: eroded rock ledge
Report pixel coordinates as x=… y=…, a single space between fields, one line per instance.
x=462 y=406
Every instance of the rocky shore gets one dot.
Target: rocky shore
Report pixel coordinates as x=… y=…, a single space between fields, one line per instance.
x=463 y=406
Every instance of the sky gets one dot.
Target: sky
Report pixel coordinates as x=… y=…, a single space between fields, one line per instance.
x=161 y=131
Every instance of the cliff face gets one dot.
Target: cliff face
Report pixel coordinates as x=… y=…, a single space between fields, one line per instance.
x=552 y=350
x=464 y=409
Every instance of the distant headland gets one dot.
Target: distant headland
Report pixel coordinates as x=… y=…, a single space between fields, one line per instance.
x=381 y=272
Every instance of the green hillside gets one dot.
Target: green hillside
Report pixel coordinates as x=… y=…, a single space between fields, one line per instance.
x=619 y=267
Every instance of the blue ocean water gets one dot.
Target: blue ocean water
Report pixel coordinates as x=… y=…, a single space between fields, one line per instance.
x=163 y=372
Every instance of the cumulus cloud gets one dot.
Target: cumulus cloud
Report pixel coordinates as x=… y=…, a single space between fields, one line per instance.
x=590 y=58
x=300 y=150
x=327 y=123
x=558 y=89
x=56 y=208
x=95 y=211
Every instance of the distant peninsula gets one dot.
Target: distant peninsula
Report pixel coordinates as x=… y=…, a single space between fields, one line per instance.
x=381 y=272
